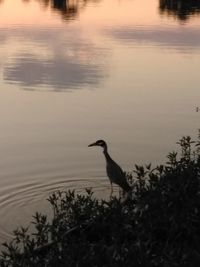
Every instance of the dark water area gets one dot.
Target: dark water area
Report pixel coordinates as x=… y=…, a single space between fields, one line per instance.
x=76 y=71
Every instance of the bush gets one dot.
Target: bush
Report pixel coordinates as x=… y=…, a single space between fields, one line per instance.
x=159 y=226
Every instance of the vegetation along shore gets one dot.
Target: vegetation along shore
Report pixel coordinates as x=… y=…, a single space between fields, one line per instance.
x=159 y=226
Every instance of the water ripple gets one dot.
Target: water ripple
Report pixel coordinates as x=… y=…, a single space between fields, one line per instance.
x=15 y=200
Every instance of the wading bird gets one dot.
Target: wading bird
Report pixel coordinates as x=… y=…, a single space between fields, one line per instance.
x=114 y=171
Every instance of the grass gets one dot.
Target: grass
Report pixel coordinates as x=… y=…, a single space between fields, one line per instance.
x=159 y=226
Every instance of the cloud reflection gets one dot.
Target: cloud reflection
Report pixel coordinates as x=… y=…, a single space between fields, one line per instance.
x=57 y=60
x=57 y=73
x=179 y=39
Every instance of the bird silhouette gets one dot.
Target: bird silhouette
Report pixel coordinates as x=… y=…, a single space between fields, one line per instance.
x=115 y=174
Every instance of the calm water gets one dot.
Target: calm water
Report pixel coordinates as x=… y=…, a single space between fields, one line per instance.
x=124 y=71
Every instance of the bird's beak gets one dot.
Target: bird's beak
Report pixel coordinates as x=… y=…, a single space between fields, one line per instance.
x=93 y=144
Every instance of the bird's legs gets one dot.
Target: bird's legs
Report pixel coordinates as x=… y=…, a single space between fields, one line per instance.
x=111 y=192
x=121 y=192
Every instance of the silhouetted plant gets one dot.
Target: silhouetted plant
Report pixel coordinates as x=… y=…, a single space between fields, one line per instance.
x=159 y=226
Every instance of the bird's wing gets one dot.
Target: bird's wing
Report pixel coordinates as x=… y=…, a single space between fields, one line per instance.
x=117 y=176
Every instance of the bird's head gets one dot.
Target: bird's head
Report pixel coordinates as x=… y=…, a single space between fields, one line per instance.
x=101 y=143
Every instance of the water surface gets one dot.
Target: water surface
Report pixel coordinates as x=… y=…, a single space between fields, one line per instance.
x=73 y=72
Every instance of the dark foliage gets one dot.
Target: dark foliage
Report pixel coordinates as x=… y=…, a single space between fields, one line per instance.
x=181 y=9
x=159 y=226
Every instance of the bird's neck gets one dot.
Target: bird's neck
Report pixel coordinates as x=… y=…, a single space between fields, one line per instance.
x=105 y=151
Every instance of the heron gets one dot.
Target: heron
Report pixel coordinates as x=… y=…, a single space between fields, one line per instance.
x=114 y=172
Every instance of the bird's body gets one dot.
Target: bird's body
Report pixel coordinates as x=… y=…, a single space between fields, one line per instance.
x=114 y=171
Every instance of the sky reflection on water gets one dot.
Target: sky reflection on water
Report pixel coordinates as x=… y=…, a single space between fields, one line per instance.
x=181 y=40
x=58 y=59
x=145 y=64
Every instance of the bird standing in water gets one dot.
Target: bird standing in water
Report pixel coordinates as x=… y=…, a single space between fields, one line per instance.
x=114 y=171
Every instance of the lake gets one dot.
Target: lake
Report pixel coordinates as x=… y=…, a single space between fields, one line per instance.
x=77 y=71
